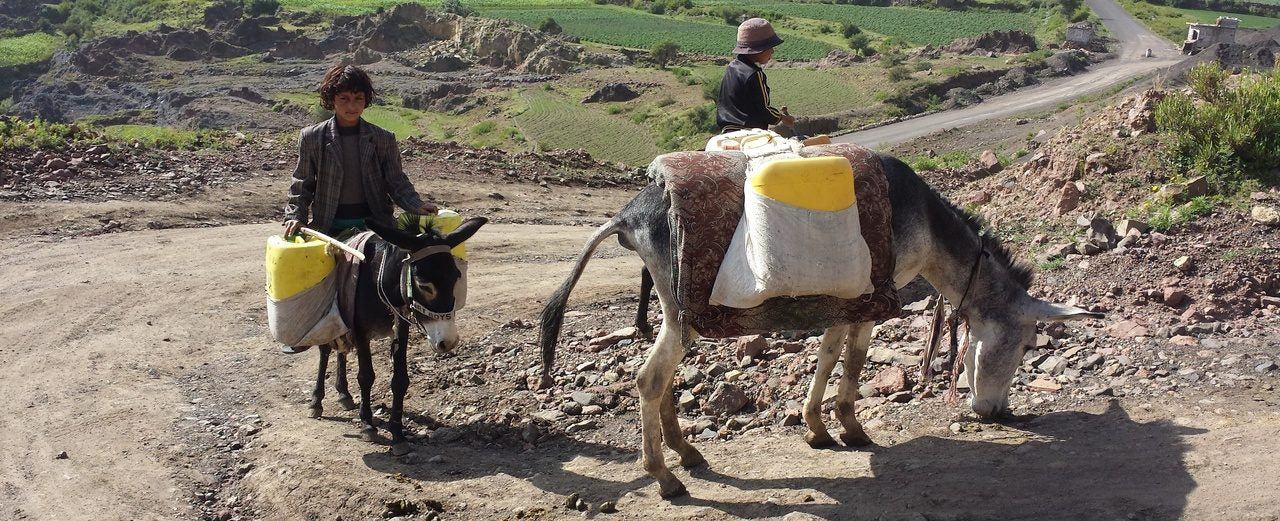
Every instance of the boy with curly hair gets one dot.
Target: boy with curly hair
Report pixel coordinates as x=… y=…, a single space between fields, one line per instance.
x=348 y=169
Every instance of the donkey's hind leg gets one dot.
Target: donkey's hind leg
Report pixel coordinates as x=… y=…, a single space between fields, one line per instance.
x=642 y=311
x=340 y=384
x=828 y=352
x=854 y=358
x=654 y=382
x=317 y=394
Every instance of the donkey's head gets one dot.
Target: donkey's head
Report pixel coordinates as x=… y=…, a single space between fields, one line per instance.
x=1000 y=338
x=432 y=282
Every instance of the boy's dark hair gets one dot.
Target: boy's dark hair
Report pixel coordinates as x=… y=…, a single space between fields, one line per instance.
x=345 y=78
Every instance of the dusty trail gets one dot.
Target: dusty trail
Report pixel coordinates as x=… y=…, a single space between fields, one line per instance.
x=1129 y=63
x=128 y=350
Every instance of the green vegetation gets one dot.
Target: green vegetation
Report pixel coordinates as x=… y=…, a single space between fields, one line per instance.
x=920 y=26
x=1171 y=22
x=37 y=133
x=152 y=136
x=664 y=52
x=1051 y=264
x=688 y=130
x=953 y=159
x=1229 y=132
x=639 y=30
x=551 y=120
x=1165 y=215
x=28 y=48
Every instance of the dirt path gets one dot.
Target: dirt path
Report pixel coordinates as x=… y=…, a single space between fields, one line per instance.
x=143 y=355
x=1129 y=63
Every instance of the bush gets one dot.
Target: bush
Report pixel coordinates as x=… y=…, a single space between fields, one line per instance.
x=1232 y=137
x=898 y=73
x=261 y=7
x=37 y=133
x=663 y=53
x=689 y=130
x=711 y=89
x=848 y=29
x=861 y=44
x=484 y=127
x=456 y=7
x=550 y=26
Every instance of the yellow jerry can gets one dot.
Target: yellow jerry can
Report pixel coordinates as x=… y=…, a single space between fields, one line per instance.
x=822 y=184
x=295 y=265
x=443 y=222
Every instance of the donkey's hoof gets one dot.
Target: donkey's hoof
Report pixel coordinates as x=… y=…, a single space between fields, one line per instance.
x=856 y=439
x=316 y=411
x=369 y=434
x=692 y=459
x=401 y=448
x=674 y=491
x=347 y=403
x=819 y=440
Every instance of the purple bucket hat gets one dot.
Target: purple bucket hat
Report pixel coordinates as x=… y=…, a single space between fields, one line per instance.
x=755 y=36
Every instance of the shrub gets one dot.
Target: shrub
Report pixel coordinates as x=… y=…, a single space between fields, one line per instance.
x=484 y=127
x=261 y=7
x=898 y=73
x=550 y=26
x=664 y=52
x=848 y=29
x=1232 y=137
x=688 y=130
x=456 y=7
x=711 y=89
x=861 y=44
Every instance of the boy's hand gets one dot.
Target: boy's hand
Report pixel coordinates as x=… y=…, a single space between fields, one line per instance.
x=292 y=227
x=427 y=209
x=788 y=120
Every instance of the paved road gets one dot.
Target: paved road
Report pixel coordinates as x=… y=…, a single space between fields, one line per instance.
x=1134 y=39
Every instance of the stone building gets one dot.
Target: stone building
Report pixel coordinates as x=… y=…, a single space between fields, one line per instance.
x=1080 y=35
x=1200 y=36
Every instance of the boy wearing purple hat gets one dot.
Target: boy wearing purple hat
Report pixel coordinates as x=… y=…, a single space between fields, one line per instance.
x=744 y=90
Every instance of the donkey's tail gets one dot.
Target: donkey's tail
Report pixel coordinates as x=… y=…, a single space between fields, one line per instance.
x=553 y=314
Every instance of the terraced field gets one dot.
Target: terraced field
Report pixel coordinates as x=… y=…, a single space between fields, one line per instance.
x=920 y=26
x=554 y=121
x=29 y=48
x=636 y=29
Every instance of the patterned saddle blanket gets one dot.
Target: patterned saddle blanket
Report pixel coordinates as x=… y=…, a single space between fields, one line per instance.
x=706 y=194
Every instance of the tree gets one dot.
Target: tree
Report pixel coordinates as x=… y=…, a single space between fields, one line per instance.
x=861 y=44
x=848 y=30
x=665 y=53
x=550 y=26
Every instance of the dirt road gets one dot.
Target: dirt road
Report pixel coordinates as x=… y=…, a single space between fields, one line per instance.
x=143 y=356
x=1129 y=63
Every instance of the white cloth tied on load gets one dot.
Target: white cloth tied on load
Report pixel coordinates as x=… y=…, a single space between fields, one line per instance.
x=799 y=234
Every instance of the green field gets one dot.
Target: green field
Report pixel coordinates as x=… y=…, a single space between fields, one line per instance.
x=1171 y=22
x=553 y=121
x=921 y=26
x=637 y=29
x=28 y=48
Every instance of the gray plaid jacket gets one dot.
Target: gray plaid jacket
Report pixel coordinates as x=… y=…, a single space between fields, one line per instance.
x=317 y=178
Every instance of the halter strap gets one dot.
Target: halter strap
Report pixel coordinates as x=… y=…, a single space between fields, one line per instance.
x=427 y=252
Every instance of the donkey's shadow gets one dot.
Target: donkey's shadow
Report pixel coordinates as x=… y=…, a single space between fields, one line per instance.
x=1078 y=466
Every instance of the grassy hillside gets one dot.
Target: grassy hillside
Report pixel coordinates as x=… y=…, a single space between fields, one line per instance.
x=551 y=120
x=29 y=48
x=1171 y=22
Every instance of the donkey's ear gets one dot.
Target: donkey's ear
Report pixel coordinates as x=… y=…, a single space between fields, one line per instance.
x=464 y=231
x=1050 y=312
x=392 y=234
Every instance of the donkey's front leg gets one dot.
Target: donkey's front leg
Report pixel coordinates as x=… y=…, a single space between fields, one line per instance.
x=340 y=384
x=828 y=352
x=655 y=379
x=399 y=385
x=365 y=378
x=317 y=394
x=854 y=358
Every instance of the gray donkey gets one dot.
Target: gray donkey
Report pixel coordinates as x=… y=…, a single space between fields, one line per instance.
x=405 y=279
x=931 y=238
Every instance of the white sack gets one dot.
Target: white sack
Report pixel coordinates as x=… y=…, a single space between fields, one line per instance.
x=309 y=318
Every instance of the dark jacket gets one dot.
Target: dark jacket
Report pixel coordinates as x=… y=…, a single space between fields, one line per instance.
x=744 y=98
x=317 y=178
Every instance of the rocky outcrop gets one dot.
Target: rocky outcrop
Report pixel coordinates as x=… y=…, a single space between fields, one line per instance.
x=1014 y=41
x=612 y=92
x=453 y=97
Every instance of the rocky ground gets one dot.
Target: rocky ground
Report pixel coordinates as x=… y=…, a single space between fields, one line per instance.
x=1163 y=410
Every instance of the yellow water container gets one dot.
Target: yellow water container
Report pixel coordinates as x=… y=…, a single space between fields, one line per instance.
x=443 y=222
x=295 y=265
x=813 y=183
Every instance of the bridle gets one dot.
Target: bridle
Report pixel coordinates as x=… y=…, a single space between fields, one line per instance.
x=411 y=311
x=953 y=326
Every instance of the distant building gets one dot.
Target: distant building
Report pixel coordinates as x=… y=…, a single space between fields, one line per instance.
x=1080 y=35
x=1200 y=36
